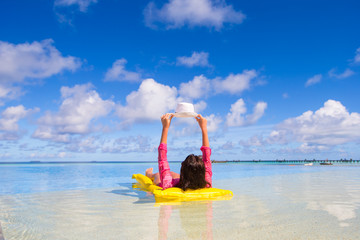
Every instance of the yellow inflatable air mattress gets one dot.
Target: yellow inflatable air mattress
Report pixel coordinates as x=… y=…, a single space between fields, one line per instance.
x=175 y=194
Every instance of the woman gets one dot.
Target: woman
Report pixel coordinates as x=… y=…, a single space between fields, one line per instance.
x=195 y=170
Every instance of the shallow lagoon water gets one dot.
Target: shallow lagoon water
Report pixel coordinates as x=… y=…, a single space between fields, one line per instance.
x=96 y=201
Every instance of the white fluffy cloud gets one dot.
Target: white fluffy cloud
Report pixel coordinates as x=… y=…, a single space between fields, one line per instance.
x=313 y=80
x=37 y=60
x=80 y=106
x=236 y=116
x=82 y=4
x=9 y=92
x=153 y=99
x=118 y=73
x=178 y=13
x=258 y=112
x=9 y=127
x=199 y=87
x=235 y=83
x=200 y=106
x=330 y=125
x=149 y=102
x=10 y=116
x=196 y=59
x=213 y=122
x=347 y=73
x=33 y=60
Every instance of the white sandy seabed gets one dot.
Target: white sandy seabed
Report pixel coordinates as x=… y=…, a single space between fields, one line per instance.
x=318 y=205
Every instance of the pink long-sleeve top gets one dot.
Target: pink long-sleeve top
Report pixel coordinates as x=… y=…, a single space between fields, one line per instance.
x=164 y=170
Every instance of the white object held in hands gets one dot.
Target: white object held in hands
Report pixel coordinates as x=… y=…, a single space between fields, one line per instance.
x=185 y=110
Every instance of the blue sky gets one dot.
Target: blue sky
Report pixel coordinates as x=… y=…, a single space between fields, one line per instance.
x=87 y=80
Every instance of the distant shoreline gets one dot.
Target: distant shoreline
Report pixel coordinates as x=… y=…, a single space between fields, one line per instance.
x=287 y=161
x=213 y=161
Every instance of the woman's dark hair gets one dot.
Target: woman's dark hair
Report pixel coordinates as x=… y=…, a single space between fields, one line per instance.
x=192 y=173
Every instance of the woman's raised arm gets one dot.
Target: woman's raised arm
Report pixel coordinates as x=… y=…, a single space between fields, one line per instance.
x=203 y=126
x=206 y=151
x=165 y=120
x=164 y=168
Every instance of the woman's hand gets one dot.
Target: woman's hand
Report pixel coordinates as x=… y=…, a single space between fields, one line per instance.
x=203 y=125
x=202 y=122
x=166 y=119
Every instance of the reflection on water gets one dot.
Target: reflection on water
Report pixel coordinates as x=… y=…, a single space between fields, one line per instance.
x=195 y=220
x=336 y=193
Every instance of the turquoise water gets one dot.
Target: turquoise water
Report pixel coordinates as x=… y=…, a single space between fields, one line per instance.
x=96 y=201
x=33 y=178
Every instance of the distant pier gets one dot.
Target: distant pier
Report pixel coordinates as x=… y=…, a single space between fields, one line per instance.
x=347 y=161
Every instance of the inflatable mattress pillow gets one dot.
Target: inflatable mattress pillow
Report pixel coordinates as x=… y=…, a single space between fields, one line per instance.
x=177 y=194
